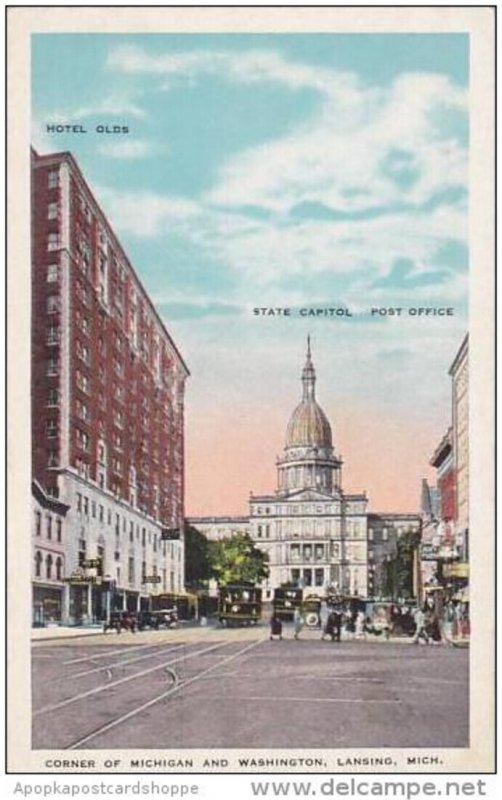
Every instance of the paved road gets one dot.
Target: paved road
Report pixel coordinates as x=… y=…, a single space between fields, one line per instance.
x=237 y=689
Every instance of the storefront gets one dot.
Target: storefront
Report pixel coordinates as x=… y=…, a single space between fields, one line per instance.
x=47 y=605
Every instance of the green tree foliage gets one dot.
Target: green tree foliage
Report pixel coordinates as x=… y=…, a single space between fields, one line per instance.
x=235 y=559
x=399 y=570
x=197 y=558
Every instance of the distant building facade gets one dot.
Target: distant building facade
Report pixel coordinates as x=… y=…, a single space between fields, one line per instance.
x=459 y=372
x=107 y=401
x=445 y=540
x=315 y=534
x=48 y=548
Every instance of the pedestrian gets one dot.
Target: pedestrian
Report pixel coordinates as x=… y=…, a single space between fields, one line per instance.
x=275 y=626
x=337 y=625
x=329 y=630
x=323 y=617
x=420 y=629
x=297 y=622
x=360 y=619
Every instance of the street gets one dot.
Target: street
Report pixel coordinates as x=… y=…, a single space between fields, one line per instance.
x=213 y=688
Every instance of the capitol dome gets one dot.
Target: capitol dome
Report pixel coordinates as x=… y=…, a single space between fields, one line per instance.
x=309 y=425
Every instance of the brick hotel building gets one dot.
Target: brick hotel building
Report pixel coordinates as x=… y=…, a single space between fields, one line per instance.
x=107 y=413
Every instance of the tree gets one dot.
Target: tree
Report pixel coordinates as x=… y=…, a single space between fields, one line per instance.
x=197 y=558
x=235 y=559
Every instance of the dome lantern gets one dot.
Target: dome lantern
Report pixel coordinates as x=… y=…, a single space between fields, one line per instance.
x=309 y=461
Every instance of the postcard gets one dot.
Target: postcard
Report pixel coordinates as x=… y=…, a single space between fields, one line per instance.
x=251 y=390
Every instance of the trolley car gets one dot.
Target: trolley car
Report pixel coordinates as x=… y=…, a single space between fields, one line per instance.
x=239 y=604
x=184 y=606
x=285 y=602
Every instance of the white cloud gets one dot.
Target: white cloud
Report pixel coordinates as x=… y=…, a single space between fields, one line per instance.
x=145 y=214
x=338 y=158
x=248 y=67
x=115 y=106
x=127 y=149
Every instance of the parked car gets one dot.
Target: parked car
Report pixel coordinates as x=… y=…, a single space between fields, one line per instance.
x=120 y=621
x=147 y=619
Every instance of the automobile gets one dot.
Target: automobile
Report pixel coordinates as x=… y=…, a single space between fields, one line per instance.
x=163 y=618
x=120 y=621
x=147 y=619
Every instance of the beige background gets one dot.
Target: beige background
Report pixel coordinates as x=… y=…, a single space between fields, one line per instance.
x=479 y=24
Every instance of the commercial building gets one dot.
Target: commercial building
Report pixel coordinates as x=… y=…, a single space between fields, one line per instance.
x=107 y=403
x=445 y=540
x=316 y=535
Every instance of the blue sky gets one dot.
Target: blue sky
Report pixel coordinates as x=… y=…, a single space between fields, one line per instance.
x=281 y=170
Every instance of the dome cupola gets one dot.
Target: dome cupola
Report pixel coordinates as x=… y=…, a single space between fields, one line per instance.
x=309 y=461
x=309 y=425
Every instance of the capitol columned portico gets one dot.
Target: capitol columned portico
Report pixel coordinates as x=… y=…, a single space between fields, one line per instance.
x=315 y=534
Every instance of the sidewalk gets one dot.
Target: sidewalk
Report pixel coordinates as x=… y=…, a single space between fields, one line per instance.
x=63 y=632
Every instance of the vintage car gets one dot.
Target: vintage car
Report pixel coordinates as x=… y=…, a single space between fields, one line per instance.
x=121 y=621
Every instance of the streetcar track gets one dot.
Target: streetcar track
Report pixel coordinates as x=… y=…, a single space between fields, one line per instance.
x=124 y=663
x=280 y=699
x=113 y=652
x=178 y=687
x=106 y=687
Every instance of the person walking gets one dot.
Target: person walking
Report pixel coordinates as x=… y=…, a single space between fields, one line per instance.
x=420 y=629
x=275 y=627
x=297 y=622
x=337 y=625
x=323 y=617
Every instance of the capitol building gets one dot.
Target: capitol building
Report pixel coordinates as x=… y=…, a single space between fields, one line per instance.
x=315 y=534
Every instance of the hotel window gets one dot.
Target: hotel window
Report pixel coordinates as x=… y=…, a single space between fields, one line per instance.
x=79 y=501
x=83 y=440
x=52 y=428
x=259 y=531
x=52 y=459
x=86 y=506
x=38 y=523
x=52 y=211
x=53 y=179
x=101 y=513
x=38 y=564
x=53 y=241
x=130 y=573
x=52 y=273
x=53 y=334
x=319 y=577
x=59 y=529
x=53 y=397
x=59 y=568
x=82 y=410
x=385 y=535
